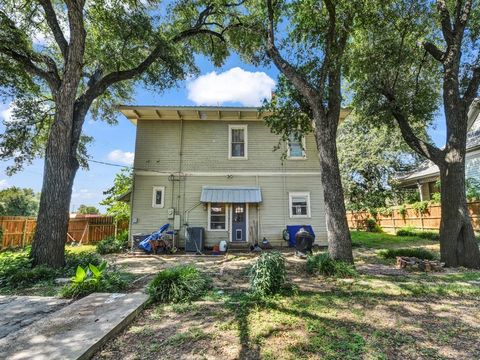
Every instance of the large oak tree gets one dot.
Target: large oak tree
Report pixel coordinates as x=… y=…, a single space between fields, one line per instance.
x=60 y=60
x=307 y=42
x=409 y=58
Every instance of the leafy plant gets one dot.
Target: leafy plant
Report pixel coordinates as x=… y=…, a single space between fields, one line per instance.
x=93 y=279
x=268 y=274
x=82 y=259
x=372 y=226
x=409 y=231
x=386 y=211
x=436 y=198
x=420 y=253
x=111 y=245
x=402 y=210
x=323 y=264
x=472 y=186
x=420 y=207
x=178 y=284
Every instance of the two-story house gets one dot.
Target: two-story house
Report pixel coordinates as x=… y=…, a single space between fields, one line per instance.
x=215 y=167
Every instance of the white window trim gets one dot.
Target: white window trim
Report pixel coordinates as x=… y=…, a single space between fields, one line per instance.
x=245 y=131
x=154 y=197
x=304 y=149
x=291 y=195
x=246 y=225
x=209 y=215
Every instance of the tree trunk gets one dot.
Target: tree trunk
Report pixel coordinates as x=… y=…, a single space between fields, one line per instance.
x=458 y=246
x=60 y=167
x=339 y=240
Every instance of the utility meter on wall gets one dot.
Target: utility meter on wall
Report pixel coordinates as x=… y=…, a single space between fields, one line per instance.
x=170 y=213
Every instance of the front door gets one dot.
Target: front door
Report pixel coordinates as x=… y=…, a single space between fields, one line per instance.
x=239 y=222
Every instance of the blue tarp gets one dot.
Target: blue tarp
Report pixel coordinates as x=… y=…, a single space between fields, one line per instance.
x=145 y=245
x=293 y=229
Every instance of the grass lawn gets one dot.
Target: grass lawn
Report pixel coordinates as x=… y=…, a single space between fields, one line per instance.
x=377 y=315
x=80 y=248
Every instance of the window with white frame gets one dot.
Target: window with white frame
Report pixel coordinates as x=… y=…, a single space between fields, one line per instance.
x=237 y=142
x=296 y=146
x=217 y=216
x=299 y=203
x=158 y=196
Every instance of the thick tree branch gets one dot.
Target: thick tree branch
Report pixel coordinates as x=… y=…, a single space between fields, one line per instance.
x=472 y=88
x=422 y=147
x=433 y=50
x=445 y=21
x=28 y=64
x=285 y=67
x=52 y=21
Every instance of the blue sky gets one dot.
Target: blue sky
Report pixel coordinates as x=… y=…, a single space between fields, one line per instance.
x=115 y=144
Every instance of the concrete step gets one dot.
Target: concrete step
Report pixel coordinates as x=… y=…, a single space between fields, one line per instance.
x=74 y=332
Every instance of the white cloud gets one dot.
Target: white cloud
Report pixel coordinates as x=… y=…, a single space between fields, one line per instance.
x=234 y=85
x=124 y=157
x=4 y=184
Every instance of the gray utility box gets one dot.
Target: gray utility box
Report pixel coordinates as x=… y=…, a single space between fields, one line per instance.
x=195 y=239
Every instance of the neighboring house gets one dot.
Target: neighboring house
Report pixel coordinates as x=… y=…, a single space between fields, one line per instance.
x=214 y=167
x=426 y=176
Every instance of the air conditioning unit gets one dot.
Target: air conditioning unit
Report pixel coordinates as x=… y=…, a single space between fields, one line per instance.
x=195 y=239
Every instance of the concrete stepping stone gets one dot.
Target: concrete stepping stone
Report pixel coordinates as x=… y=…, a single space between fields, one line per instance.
x=74 y=332
x=20 y=311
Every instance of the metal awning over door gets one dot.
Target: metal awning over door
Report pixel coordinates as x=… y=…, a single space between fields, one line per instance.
x=231 y=194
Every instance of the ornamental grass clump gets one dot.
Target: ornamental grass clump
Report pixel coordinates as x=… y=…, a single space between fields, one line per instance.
x=268 y=274
x=178 y=284
x=419 y=253
x=323 y=264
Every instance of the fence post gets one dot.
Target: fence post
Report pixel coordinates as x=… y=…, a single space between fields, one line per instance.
x=24 y=234
x=393 y=219
x=421 y=220
x=116 y=228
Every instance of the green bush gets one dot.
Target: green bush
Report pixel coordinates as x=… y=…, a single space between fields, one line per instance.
x=420 y=253
x=268 y=274
x=82 y=259
x=372 y=226
x=178 y=284
x=93 y=279
x=323 y=264
x=111 y=245
x=16 y=270
x=429 y=235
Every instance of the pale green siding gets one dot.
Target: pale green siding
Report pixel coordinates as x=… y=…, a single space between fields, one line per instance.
x=472 y=165
x=205 y=151
x=205 y=148
x=273 y=211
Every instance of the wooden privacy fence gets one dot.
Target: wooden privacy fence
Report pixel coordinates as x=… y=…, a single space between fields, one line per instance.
x=17 y=231
x=397 y=219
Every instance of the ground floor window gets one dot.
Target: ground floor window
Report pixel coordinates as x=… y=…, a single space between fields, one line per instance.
x=158 y=196
x=299 y=203
x=217 y=216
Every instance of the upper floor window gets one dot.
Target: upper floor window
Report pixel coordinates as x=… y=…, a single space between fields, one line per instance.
x=296 y=147
x=158 y=196
x=299 y=204
x=237 y=142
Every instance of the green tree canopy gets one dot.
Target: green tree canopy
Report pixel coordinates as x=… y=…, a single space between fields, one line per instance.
x=121 y=185
x=87 y=209
x=370 y=158
x=16 y=201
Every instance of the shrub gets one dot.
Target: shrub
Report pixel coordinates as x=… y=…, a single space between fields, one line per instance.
x=16 y=270
x=93 y=279
x=372 y=226
x=268 y=274
x=178 y=284
x=409 y=252
x=420 y=207
x=436 y=198
x=82 y=259
x=429 y=235
x=323 y=264
x=111 y=245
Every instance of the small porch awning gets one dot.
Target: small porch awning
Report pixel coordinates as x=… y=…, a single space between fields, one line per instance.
x=231 y=194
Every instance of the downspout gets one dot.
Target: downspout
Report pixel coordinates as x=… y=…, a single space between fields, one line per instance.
x=258 y=212
x=130 y=223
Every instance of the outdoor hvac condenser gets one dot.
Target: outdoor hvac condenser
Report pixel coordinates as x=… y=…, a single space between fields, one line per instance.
x=195 y=239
